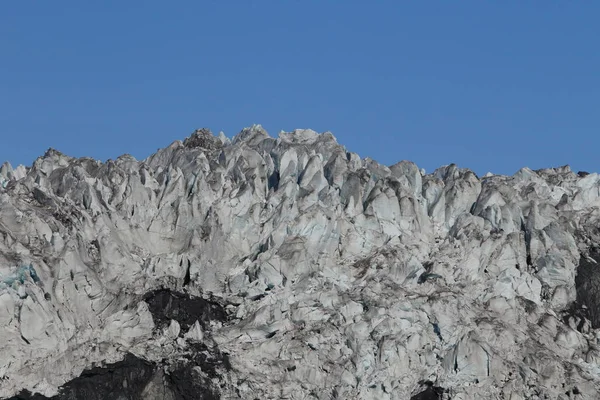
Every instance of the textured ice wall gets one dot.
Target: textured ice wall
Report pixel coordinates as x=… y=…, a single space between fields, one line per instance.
x=341 y=278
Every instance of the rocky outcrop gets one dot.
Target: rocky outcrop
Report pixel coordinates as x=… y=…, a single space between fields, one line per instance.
x=192 y=371
x=289 y=268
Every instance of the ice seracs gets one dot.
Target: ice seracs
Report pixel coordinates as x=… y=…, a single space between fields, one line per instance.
x=283 y=268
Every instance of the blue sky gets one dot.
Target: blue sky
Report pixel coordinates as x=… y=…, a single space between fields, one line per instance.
x=492 y=86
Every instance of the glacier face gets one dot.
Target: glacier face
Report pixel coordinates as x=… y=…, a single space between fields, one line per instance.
x=298 y=270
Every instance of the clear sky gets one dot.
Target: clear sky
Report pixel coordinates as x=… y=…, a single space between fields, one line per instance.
x=488 y=85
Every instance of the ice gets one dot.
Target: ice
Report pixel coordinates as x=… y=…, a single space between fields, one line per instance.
x=341 y=277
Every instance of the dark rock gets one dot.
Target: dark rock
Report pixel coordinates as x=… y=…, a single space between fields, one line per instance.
x=166 y=305
x=127 y=379
x=587 y=284
x=431 y=393
x=123 y=380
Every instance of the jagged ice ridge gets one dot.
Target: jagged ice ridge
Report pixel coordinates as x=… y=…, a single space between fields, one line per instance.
x=289 y=268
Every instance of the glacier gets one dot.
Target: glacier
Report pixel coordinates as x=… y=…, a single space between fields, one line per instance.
x=290 y=268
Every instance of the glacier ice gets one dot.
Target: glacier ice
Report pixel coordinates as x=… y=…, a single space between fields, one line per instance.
x=290 y=268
